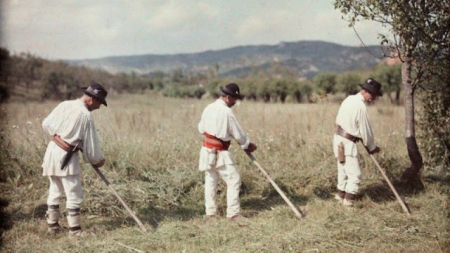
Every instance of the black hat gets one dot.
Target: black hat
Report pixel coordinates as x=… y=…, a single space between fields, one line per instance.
x=96 y=91
x=232 y=89
x=372 y=86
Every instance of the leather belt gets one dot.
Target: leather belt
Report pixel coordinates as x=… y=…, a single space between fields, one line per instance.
x=211 y=142
x=62 y=144
x=70 y=150
x=341 y=132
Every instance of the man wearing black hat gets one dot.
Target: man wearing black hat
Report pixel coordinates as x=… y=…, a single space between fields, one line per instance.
x=72 y=129
x=219 y=125
x=352 y=123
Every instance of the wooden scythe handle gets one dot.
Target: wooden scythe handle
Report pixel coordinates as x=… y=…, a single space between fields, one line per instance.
x=400 y=201
x=120 y=199
x=297 y=213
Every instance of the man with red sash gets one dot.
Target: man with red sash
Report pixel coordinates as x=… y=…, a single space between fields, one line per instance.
x=219 y=125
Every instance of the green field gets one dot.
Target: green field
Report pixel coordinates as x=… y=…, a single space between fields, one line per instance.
x=152 y=144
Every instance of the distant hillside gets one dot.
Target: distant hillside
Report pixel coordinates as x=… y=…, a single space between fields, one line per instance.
x=306 y=57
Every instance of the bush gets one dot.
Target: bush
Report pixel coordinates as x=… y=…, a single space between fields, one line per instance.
x=434 y=125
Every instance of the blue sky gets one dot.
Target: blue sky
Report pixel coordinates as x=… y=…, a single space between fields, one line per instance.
x=79 y=29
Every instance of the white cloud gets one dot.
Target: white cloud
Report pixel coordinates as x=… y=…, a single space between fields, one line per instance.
x=75 y=29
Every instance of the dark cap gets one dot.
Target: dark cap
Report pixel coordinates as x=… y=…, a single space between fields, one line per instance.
x=372 y=86
x=96 y=91
x=232 y=89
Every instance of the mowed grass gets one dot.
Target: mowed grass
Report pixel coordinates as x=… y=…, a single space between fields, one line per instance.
x=152 y=145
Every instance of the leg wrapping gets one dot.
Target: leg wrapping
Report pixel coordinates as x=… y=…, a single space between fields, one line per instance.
x=74 y=219
x=52 y=215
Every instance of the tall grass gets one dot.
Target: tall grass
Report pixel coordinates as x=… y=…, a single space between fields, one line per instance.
x=152 y=145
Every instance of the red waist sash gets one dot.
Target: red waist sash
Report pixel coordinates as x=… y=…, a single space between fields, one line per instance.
x=211 y=142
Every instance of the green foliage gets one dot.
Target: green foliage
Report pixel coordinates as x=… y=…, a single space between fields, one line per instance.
x=419 y=31
x=434 y=124
x=325 y=83
x=248 y=88
x=391 y=79
x=348 y=83
x=157 y=81
x=295 y=91
x=306 y=88
x=264 y=90
x=212 y=88
x=174 y=90
x=184 y=91
x=299 y=90
x=281 y=87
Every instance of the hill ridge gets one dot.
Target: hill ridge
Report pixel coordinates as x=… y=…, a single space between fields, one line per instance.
x=306 y=57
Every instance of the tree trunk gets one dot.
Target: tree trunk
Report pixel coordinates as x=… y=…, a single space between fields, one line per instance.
x=413 y=171
x=298 y=96
x=283 y=98
x=397 y=97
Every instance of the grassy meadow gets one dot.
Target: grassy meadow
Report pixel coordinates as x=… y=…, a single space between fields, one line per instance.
x=151 y=146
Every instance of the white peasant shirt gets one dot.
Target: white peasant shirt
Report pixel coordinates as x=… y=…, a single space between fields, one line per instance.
x=218 y=120
x=73 y=122
x=352 y=117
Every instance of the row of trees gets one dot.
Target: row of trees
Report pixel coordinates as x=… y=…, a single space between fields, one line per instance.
x=277 y=84
x=26 y=76
x=29 y=77
x=388 y=75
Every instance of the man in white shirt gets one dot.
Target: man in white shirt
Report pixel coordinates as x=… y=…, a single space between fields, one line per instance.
x=353 y=125
x=71 y=127
x=219 y=125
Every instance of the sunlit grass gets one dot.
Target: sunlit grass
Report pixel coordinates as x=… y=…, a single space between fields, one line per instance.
x=152 y=145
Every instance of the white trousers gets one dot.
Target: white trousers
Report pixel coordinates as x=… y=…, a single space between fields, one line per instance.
x=349 y=175
x=68 y=185
x=230 y=175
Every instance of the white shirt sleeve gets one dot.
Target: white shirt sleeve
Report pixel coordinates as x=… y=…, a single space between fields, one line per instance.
x=365 y=130
x=91 y=144
x=236 y=131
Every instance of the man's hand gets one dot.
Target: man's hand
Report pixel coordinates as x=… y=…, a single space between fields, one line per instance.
x=251 y=147
x=100 y=164
x=375 y=150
